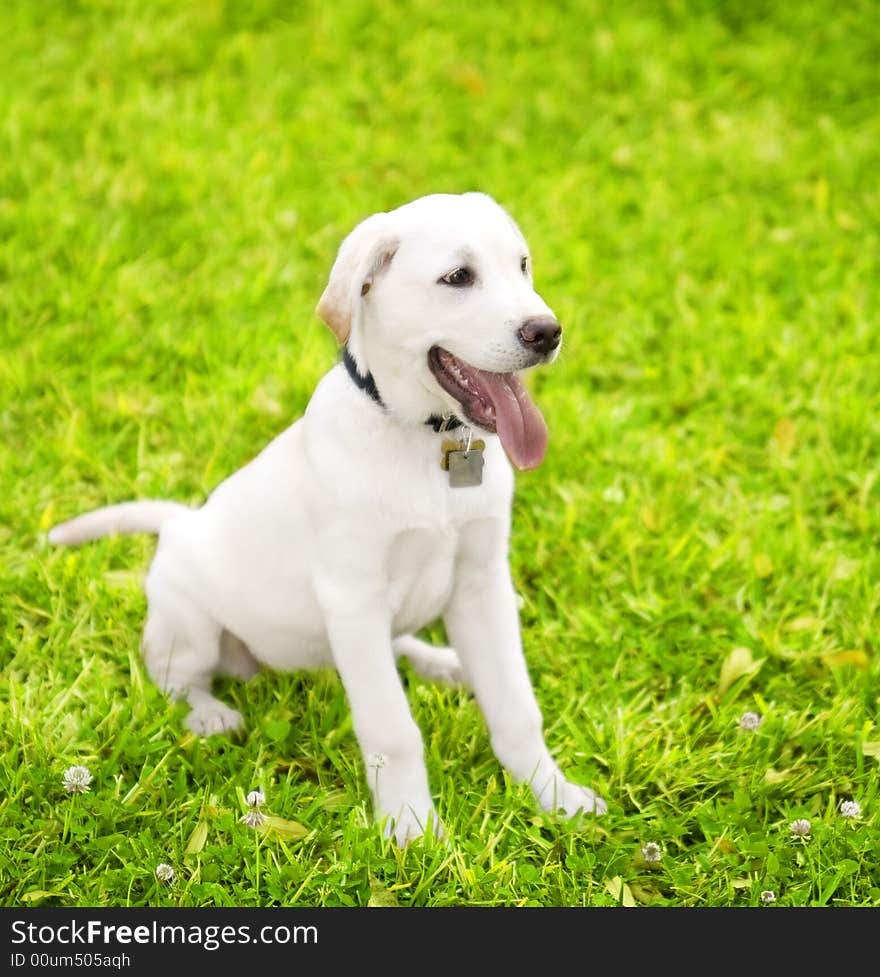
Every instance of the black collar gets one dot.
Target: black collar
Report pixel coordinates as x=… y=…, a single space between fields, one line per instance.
x=368 y=385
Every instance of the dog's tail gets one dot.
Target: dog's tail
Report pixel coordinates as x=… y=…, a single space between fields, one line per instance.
x=127 y=517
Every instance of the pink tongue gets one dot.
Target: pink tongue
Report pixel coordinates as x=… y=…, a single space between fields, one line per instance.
x=520 y=425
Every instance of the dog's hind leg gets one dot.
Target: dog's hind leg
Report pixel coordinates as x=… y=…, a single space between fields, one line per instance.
x=182 y=652
x=433 y=662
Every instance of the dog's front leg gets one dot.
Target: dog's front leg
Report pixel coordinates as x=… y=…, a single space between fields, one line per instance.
x=482 y=623
x=359 y=628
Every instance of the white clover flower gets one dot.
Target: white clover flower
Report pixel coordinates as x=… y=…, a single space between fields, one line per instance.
x=165 y=873
x=254 y=818
x=255 y=798
x=376 y=761
x=850 y=809
x=800 y=828
x=77 y=779
x=652 y=853
x=750 y=721
x=768 y=896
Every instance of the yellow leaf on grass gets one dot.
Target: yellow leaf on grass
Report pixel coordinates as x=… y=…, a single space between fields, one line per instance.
x=763 y=565
x=805 y=624
x=124 y=579
x=738 y=664
x=285 y=828
x=381 y=896
x=872 y=749
x=784 y=435
x=197 y=839
x=773 y=776
x=36 y=894
x=470 y=79
x=334 y=799
x=646 y=894
x=620 y=891
x=821 y=195
x=835 y=659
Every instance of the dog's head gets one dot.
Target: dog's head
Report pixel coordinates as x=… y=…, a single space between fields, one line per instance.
x=436 y=300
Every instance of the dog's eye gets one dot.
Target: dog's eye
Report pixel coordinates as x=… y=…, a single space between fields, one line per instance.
x=459 y=278
x=524 y=264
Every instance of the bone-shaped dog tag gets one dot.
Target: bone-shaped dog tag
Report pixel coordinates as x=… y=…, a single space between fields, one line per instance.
x=446 y=449
x=466 y=467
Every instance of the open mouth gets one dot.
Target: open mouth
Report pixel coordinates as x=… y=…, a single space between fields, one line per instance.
x=494 y=402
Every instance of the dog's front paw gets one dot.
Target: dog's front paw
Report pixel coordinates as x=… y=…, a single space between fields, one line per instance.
x=207 y=719
x=410 y=825
x=562 y=796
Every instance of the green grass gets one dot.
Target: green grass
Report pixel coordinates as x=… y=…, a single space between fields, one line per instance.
x=698 y=183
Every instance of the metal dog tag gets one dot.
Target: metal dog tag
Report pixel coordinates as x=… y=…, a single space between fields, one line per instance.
x=465 y=467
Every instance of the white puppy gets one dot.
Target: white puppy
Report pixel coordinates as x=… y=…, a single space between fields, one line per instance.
x=385 y=507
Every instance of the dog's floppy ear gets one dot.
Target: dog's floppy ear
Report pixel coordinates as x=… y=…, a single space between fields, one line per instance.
x=363 y=254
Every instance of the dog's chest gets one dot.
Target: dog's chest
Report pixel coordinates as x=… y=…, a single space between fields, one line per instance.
x=421 y=568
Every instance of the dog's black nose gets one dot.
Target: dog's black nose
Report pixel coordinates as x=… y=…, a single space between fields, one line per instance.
x=541 y=334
